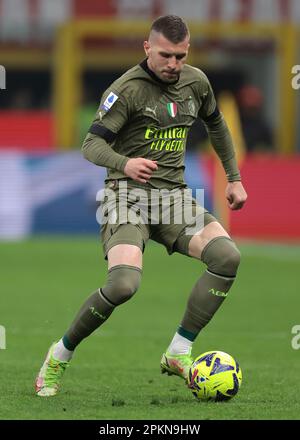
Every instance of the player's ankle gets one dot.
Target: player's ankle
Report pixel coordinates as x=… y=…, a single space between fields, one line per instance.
x=61 y=353
x=180 y=345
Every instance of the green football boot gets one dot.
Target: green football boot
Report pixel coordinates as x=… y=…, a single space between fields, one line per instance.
x=178 y=364
x=48 y=380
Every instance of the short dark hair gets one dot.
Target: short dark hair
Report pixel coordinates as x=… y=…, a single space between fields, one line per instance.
x=172 y=27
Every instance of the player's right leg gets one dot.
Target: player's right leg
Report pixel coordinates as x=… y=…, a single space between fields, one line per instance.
x=124 y=275
x=212 y=245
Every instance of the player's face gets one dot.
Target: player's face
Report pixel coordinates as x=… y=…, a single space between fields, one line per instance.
x=166 y=59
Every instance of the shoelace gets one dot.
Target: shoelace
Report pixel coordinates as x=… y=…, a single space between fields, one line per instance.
x=54 y=372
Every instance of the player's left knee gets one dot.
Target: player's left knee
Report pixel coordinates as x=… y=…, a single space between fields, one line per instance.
x=222 y=256
x=231 y=260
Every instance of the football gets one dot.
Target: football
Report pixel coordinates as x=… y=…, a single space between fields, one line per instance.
x=214 y=375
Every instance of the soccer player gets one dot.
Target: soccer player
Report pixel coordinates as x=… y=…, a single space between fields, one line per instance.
x=139 y=134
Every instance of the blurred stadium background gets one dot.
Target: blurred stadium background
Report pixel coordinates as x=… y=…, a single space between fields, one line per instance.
x=60 y=55
x=58 y=58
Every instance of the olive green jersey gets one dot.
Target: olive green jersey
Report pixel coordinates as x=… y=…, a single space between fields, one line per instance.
x=141 y=116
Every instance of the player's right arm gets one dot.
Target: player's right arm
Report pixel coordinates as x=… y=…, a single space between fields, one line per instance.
x=97 y=146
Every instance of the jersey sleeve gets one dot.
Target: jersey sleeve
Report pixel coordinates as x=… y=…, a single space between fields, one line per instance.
x=205 y=95
x=112 y=114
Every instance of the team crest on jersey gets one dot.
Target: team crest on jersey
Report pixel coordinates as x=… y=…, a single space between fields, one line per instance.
x=109 y=102
x=192 y=107
x=172 y=109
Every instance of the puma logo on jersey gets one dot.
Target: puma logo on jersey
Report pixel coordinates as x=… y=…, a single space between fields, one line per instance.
x=151 y=110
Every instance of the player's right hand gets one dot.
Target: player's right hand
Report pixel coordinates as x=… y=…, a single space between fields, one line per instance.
x=140 y=169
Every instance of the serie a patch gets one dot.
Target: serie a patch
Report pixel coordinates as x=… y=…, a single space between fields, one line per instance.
x=109 y=102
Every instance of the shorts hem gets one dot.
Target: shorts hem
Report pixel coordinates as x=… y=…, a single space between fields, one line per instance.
x=134 y=243
x=184 y=247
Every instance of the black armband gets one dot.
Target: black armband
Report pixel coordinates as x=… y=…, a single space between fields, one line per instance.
x=212 y=116
x=106 y=134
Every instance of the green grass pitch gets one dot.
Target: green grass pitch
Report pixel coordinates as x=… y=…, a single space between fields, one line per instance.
x=115 y=373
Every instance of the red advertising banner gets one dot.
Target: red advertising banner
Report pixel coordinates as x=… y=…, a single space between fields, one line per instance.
x=272 y=210
x=28 y=130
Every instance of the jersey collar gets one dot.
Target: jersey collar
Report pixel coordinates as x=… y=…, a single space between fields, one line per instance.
x=144 y=66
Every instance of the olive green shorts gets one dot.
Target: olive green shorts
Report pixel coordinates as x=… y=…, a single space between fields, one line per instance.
x=133 y=214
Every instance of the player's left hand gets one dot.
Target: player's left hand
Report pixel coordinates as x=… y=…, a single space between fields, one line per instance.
x=236 y=195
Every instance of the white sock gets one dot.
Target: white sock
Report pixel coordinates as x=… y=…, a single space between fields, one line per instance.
x=61 y=353
x=180 y=345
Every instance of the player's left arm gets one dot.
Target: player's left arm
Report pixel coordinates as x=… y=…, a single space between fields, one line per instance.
x=221 y=141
